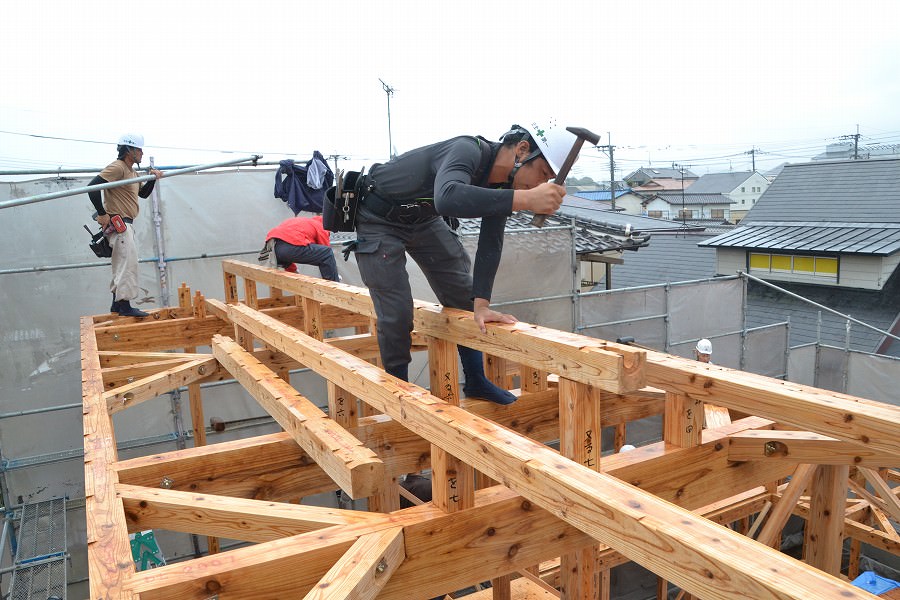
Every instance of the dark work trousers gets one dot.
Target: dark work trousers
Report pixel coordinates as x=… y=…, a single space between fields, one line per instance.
x=381 y=256
x=314 y=254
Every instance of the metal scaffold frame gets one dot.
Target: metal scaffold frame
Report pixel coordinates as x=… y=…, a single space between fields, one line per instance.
x=39 y=569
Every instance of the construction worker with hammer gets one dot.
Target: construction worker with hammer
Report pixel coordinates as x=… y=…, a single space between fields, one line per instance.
x=405 y=206
x=116 y=212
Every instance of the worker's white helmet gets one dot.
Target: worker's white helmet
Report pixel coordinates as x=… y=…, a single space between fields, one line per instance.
x=135 y=140
x=553 y=141
x=704 y=346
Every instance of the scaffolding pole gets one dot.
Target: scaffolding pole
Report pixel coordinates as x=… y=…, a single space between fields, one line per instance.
x=114 y=184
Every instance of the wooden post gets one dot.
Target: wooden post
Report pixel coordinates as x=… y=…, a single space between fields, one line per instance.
x=579 y=440
x=683 y=421
x=250 y=297
x=312 y=318
x=824 y=534
x=231 y=290
x=533 y=380
x=452 y=481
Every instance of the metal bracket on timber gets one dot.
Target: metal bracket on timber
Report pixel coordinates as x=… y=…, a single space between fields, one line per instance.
x=609 y=510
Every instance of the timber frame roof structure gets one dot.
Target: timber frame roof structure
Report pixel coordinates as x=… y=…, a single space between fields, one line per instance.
x=505 y=506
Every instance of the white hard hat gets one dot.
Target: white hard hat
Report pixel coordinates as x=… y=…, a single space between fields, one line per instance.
x=135 y=140
x=553 y=141
x=704 y=346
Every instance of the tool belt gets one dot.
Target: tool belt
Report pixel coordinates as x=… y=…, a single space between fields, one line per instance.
x=409 y=213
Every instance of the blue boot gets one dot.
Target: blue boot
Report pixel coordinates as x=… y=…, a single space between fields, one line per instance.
x=400 y=372
x=477 y=385
x=114 y=307
x=125 y=309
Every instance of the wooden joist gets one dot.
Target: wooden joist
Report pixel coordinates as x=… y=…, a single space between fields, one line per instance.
x=355 y=468
x=722 y=563
x=804 y=447
x=868 y=424
x=605 y=509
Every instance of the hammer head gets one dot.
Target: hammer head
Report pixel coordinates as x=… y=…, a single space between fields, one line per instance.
x=584 y=134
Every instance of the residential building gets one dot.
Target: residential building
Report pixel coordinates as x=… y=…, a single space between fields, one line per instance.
x=743 y=188
x=829 y=232
x=688 y=206
x=850 y=150
x=645 y=175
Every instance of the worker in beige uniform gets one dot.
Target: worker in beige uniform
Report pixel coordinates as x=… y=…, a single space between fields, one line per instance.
x=116 y=212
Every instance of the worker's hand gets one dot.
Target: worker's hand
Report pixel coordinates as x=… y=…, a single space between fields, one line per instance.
x=544 y=199
x=484 y=314
x=156 y=172
x=103 y=220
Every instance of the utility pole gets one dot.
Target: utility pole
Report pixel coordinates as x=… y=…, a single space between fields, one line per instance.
x=390 y=92
x=855 y=137
x=612 y=171
x=752 y=153
x=683 y=211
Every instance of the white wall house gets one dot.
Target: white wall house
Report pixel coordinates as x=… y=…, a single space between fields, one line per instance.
x=828 y=223
x=688 y=206
x=742 y=188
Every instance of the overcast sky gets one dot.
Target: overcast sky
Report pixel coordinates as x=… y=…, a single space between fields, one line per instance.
x=693 y=82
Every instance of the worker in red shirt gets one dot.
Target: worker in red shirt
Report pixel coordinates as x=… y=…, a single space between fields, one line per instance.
x=303 y=240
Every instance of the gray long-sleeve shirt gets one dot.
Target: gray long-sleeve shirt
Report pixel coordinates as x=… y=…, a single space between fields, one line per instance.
x=446 y=172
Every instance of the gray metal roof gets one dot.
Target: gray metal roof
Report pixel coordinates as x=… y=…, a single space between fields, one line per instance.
x=855 y=206
x=671 y=258
x=661 y=173
x=675 y=198
x=844 y=238
x=854 y=191
x=719 y=183
x=599 y=211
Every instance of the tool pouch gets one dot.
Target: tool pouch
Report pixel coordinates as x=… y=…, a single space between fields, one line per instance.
x=342 y=202
x=100 y=245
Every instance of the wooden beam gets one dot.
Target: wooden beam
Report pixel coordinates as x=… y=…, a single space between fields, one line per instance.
x=580 y=358
x=109 y=553
x=356 y=469
x=233 y=518
x=869 y=424
x=884 y=491
x=704 y=558
x=804 y=447
x=785 y=505
x=152 y=386
x=282 y=568
x=364 y=569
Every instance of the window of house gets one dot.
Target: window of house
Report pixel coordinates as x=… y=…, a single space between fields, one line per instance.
x=685 y=214
x=656 y=214
x=743 y=189
x=717 y=213
x=818 y=266
x=743 y=201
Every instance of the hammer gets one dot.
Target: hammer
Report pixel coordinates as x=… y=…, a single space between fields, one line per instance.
x=581 y=134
